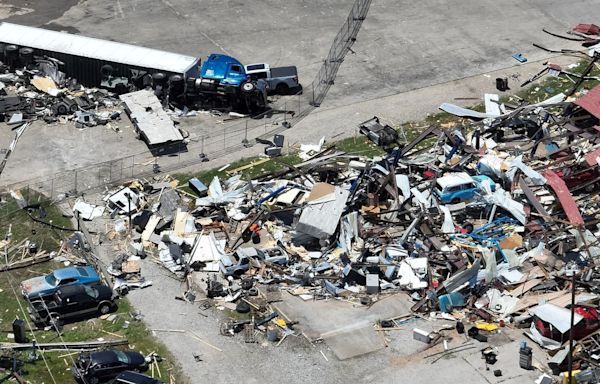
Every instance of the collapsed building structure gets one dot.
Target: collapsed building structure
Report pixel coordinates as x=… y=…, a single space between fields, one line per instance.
x=491 y=221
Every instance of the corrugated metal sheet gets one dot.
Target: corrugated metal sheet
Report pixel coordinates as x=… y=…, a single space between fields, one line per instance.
x=591 y=101
x=320 y=217
x=150 y=118
x=565 y=197
x=591 y=157
x=98 y=49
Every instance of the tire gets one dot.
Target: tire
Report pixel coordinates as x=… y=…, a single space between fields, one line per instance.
x=55 y=318
x=247 y=284
x=282 y=89
x=62 y=109
x=93 y=380
x=242 y=307
x=468 y=227
x=238 y=272
x=107 y=70
x=26 y=51
x=74 y=108
x=104 y=308
x=247 y=86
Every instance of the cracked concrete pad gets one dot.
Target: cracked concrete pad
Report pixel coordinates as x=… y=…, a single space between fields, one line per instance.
x=355 y=341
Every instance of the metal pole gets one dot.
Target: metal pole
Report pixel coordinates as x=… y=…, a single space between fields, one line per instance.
x=129 y=210
x=570 y=373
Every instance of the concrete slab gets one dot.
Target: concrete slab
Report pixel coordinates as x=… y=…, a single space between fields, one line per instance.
x=327 y=317
x=354 y=341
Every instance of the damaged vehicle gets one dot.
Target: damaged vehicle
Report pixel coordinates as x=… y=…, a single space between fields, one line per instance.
x=98 y=367
x=129 y=377
x=457 y=187
x=71 y=302
x=42 y=286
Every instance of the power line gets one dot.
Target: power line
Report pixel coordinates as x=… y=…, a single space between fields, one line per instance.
x=53 y=323
x=28 y=324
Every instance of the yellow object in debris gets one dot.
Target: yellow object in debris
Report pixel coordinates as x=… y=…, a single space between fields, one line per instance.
x=486 y=326
x=565 y=376
x=137 y=185
x=281 y=323
x=44 y=84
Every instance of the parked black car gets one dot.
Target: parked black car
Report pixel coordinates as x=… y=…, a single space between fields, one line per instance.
x=71 y=302
x=99 y=367
x=129 y=377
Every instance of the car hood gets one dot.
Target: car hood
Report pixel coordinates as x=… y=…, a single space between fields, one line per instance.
x=35 y=284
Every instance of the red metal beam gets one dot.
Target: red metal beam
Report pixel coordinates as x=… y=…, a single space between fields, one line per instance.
x=591 y=101
x=591 y=157
x=565 y=197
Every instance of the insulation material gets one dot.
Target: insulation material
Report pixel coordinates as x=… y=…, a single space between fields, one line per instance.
x=88 y=211
x=448 y=225
x=413 y=272
x=217 y=195
x=502 y=199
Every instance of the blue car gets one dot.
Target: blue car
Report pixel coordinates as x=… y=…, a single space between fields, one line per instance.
x=457 y=187
x=43 y=286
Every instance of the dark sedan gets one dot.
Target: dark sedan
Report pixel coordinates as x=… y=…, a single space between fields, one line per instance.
x=99 y=367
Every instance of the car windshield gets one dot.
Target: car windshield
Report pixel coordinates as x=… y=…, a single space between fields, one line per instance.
x=122 y=357
x=82 y=271
x=91 y=291
x=50 y=279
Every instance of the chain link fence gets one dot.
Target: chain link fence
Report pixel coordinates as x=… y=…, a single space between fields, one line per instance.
x=231 y=135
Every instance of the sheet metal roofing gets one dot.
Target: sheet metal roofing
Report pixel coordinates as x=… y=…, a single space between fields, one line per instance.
x=148 y=115
x=92 y=48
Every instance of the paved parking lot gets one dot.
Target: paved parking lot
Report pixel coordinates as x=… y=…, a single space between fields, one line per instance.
x=403 y=49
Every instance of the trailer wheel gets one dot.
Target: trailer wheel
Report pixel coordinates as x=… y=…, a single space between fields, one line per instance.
x=248 y=86
x=61 y=109
x=106 y=70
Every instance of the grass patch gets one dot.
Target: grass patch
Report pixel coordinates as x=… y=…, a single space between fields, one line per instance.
x=22 y=226
x=276 y=164
x=139 y=337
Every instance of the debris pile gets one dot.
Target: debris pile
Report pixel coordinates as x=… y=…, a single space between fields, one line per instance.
x=484 y=221
x=34 y=87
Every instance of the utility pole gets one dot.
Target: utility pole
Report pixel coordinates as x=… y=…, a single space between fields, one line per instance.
x=128 y=195
x=571 y=271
